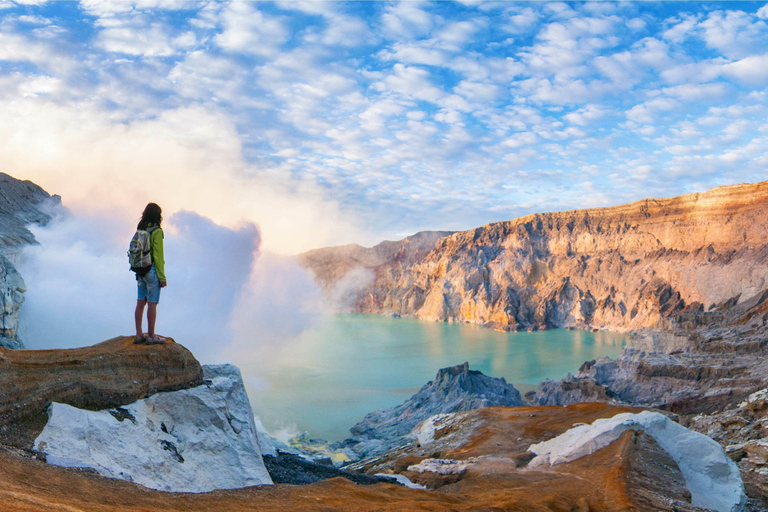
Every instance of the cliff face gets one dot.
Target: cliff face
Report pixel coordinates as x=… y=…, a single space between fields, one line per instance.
x=21 y=203
x=623 y=268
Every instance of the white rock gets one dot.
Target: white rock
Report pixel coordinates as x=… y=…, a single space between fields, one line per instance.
x=193 y=440
x=712 y=478
x=402 y=479
x=442 y=466
x=426 y=432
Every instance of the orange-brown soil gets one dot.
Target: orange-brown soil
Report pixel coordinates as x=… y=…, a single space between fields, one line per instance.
x=605 y=481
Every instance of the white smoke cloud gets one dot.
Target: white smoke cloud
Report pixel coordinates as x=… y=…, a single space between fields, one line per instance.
x=224 y=299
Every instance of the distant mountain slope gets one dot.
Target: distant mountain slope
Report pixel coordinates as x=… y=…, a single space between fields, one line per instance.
x=624 y=267
x=21 y=203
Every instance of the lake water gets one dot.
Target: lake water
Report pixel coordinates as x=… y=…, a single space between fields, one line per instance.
x=353 y=364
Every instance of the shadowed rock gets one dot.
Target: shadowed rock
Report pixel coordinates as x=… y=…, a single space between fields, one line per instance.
x=106 y=375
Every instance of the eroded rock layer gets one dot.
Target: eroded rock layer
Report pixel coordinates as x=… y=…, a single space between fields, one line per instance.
x=106 y=375
x=623 y=268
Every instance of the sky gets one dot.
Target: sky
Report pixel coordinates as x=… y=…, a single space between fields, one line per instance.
x=329 y=123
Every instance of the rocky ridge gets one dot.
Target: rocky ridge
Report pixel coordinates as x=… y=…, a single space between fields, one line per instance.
x=21 y=203
x=622 y=268
x=454 y=389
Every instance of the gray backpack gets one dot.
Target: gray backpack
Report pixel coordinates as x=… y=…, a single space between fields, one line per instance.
x=139 y=252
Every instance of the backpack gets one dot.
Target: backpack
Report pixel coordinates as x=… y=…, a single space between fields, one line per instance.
x=139 y=255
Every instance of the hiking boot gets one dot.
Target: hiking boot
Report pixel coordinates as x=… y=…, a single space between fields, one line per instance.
x=155 y=340
x=139 y=339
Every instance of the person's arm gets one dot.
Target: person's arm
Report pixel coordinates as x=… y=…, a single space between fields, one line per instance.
x=158 y=258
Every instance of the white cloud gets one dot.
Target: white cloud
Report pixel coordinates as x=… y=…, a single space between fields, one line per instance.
x=349 y=31
x=519 y=140
x=45 y=55
x=419 y=53
x=585 y=116
x=681 y=29
x=138 y=36
x=106 y=8
x=763 y=12
x=477 y=92
x=407 y=20
x=752 y=70
x=188 y=159
x=636 y=24
x=734 y=33
x=413 y=83
x=646 y=112
x=248 y=30
x=34 y=20
x=697 y=92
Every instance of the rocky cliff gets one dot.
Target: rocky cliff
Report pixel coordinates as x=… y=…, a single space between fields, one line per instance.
x=622 y=268
x=21 y=203
x=110 y=374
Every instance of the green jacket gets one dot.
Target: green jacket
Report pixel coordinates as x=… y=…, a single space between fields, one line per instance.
x=156 y=248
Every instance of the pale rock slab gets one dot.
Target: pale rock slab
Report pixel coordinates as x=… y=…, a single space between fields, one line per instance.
x=712 y=478
x=193 y=440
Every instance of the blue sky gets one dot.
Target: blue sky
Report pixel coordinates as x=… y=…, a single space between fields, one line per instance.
x=327 y=123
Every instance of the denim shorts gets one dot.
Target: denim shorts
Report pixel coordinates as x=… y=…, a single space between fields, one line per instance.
x=149 y=286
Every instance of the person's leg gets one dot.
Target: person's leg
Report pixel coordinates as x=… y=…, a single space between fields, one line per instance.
x=151 y=317
x=139 y=315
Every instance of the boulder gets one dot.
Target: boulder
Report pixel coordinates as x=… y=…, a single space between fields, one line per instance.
x=106 y=375
x=193 y=440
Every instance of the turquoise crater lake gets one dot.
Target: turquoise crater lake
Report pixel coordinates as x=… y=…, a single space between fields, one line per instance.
x=353 y=364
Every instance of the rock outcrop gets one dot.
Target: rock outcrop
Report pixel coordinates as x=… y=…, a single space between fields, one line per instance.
x=712 y=478
x=110 y=374
x=21 y=203
x=649 y=263
x=686 y=371
x=454 y=389
x=193 y=440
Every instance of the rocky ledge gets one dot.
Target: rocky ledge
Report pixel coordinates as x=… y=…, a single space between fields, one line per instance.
x=110 y=374
x=193 y=440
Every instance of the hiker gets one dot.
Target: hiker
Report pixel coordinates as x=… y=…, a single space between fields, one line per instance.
x=149 y=240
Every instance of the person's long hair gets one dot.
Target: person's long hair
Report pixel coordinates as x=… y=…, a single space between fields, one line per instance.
x=152 y=215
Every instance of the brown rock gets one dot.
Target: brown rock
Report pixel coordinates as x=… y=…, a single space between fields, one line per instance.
x=112 y=373
x=656 y=262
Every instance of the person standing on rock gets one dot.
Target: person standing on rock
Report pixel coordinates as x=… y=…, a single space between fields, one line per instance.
x=150 y=283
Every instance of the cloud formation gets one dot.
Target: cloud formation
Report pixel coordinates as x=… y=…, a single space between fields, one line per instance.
x=326 y=123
